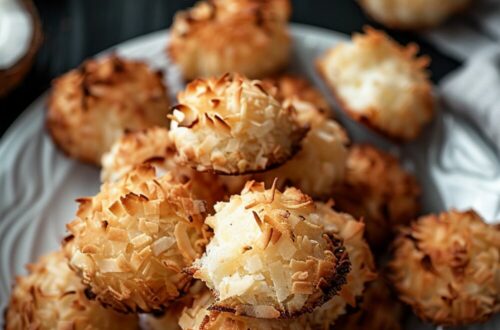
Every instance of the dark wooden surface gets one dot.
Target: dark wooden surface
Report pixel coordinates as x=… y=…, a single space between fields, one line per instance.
x=77 y=29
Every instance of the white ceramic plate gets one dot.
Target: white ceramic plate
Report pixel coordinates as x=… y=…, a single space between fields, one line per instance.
x=38 y=184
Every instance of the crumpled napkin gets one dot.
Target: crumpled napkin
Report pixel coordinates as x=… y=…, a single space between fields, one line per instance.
x=468 y=34
x=473 y=90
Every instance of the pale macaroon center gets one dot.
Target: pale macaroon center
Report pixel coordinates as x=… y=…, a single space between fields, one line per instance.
x=370 y=79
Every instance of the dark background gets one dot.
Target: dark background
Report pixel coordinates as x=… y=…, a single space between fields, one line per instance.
x=77 y=29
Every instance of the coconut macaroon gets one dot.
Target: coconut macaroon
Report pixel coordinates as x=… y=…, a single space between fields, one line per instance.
x=231 y=125
x=90 y=107
x=219 y=36
x=447 y=268
x=320 y=162
x=362 y=267
x=412 y=14
x=379 y=190
x=130 y=242
x=52 y=296
x=154 y=146
x=379 y=309
x=267 y=258
x=380 y=83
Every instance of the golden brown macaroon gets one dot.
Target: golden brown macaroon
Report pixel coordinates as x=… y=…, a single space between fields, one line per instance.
x=380 y=309
x=379 y=190
x=312 y=159
x=232 y=125
x=219 y=36
x=267 y=258
x=90 y=107
x=380 y=83
x=52 y=296
x=412 y=14
x=130 y=242
x=447 y=268
x=154 y=146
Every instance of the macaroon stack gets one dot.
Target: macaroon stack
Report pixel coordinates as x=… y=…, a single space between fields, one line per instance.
x=243 y=205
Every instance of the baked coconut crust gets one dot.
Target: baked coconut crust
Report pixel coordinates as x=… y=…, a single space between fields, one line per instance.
x=380 y=83
x=246 y=36
x=232 y=125
x=379 y=190
x=447 y=268
x=130 y=242
x=89 y=108
x=267 y=258
x=52 y=296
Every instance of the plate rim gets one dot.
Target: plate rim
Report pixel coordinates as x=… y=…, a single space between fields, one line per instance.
x=39 y=103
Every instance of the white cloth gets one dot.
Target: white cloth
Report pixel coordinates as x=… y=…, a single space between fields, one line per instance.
x=467 y=34
x=473 y=91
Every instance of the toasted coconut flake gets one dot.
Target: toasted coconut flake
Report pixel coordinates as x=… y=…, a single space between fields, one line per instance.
x=447 y=266
x=261 y=278
x=162 y=244
x=142 y=272
x=215 y=37
x=257 y=133
x=90 y=107
x=52 y=297
x=380 y=83
x=411 y=14
x=377 y=189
